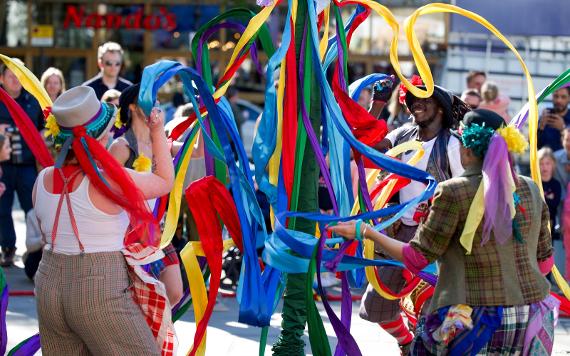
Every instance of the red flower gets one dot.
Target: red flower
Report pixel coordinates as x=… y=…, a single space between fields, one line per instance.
x=415 y=80
x=46 y=112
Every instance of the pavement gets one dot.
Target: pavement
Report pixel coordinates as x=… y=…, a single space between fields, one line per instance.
x=225 y=335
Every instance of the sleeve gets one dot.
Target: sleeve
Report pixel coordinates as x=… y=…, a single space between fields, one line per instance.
x=170 y=257
x=544 y=247
x=434 y=235
x=393 y=135
x=454 y=156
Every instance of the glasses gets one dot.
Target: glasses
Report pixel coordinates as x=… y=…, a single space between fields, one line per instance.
x=111 y=63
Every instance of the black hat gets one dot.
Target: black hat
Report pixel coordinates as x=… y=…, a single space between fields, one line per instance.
x=481 y=116
x=453 y=107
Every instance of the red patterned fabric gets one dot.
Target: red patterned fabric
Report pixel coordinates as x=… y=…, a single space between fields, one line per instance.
x=150 y=295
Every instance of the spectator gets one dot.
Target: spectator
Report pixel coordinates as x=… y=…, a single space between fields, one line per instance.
x=19 y=172
x=553 y=120
x=365 y=97
x=475 y=80
x=109 y=60
x=53 y=82
x=111 y=96
x=399 y=114
x=494 y=101
x=562 y=159
x=472 y=98
x=5 y=151
x=552 y=195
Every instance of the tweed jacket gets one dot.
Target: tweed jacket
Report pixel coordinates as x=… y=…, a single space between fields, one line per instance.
x=493 y=274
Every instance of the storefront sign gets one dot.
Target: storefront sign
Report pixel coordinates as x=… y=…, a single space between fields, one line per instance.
x=77 y=16
x=42 y=36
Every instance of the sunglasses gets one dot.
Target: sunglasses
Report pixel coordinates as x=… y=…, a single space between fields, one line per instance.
x=111 y=63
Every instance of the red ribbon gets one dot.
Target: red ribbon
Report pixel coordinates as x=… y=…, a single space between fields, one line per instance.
x=215 y=203
x=28 y=130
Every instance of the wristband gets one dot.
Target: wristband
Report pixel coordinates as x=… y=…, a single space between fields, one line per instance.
x=357 y=233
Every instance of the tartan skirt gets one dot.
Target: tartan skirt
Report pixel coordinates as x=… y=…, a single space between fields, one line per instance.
x=524 y=329
x=85 y=307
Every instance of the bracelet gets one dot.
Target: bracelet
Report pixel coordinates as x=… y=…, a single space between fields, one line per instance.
x=364 y=232
x=357 y=233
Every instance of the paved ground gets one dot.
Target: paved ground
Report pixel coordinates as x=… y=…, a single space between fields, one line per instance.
x=225 y=335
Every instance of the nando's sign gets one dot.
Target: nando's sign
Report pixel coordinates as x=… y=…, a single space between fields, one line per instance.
x=76 y=16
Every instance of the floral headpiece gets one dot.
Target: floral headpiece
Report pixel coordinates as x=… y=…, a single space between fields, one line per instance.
x=415 y=80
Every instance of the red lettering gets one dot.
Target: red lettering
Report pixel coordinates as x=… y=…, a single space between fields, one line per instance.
x=113 y=21
x=76 y=15
x=94 y=21
x=170 y=24
x=71 y=14
x=133 y=21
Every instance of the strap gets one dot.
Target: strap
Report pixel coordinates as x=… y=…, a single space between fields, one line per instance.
x=65 y=193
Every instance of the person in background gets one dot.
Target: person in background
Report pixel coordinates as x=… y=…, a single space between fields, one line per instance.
x=365 y=97
x=472 y=98
x=475 y=80
x=553 y=196
x=111 y=96
x=399 y=113
x=20 y=170
x=5 y=151
x=109 y=61
x=554 y=120
x=495 y=101
x=53 y=82
x=133 y=148
x=562 y=157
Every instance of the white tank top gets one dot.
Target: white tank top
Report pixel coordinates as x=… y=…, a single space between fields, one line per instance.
x=98 y=231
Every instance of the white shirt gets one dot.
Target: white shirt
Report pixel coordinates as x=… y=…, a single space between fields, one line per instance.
x=415 y=188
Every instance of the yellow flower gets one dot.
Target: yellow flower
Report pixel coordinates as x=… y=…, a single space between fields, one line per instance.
x=515 y=140
x=52 y=129
x=118 y=122
x=142 y=163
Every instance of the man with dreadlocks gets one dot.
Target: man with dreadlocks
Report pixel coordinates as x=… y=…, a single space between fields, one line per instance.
x=488 y=231
x=432 y=119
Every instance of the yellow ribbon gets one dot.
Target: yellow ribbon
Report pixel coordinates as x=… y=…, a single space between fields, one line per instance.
x=370 y=271
x=175 y=197
x=325 y=39
x=252 y=28
x=28 y=80
x=423 y=67
x=196 y=282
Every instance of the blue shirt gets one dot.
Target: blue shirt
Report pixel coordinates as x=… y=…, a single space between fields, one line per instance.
x=551 y=137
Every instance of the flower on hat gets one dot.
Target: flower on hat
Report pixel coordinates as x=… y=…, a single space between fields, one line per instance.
x=516 y=142
x=415 y=80
x=477 y=137
x=52 y=128
x=118 y=123
x=142 y=163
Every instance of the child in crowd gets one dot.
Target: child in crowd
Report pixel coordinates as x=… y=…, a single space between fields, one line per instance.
x=552 y=195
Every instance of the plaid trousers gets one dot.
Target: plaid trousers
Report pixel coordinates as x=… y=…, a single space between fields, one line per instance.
x=85 y=307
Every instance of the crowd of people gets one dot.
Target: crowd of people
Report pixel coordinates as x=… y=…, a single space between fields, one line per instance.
x=86 y=223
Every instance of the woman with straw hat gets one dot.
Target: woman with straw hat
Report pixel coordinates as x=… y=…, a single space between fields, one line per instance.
x=97 y=227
